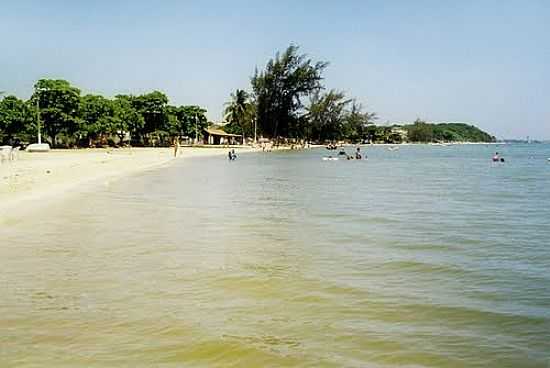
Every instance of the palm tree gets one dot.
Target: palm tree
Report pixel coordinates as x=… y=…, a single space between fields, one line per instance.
x=239 y=110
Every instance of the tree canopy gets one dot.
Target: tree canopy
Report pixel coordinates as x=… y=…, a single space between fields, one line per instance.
x=240 y=113
x=16 y=119
x=58 y=105
x=71 y=119
x=423 y=132
x=277 y=99
x=286 y=99
x=278 y=103
x=280 y=88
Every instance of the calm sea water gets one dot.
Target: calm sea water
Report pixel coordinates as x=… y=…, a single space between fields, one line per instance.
x=424 y=257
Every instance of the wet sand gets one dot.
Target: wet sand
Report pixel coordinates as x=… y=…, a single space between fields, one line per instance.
x=34 y=177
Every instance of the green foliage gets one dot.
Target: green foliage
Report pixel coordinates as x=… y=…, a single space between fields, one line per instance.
x=126 y=119
x=327 y=115
x=240 y=113
x=461 y=132
x=59 y=107
x=420 y=132
x=153 y=107
x=446 y=132
x=96 y=114
x=191 y=121
x=279 y=90
x=70 y=119
x=357 y=123
x=275 y=106
x=101 y=118
x=16 y=119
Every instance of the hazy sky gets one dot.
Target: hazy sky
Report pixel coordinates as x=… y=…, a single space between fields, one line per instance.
x=485 y=62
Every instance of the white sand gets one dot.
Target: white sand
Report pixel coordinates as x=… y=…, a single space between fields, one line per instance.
x=37 y=176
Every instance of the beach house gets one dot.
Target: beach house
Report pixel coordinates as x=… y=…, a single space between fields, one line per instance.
x=219 y=137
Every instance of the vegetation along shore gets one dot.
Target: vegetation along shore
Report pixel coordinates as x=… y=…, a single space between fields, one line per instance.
x=287 y=104
x=287 y=101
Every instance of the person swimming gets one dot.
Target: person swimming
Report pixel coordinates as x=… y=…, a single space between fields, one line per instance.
x=358 y=154
x=498 y=158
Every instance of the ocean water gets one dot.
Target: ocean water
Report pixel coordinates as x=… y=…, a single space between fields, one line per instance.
x=423 y=257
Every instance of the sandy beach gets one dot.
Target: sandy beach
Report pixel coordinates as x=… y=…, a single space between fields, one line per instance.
x=34 y=177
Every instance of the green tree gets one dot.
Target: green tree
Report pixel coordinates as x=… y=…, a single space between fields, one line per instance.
x=357 y=122
x=452 y=132
x=279 y=90
x=58 y=106
x=16 y=119
x=194 y=119
x=326 y=115
x=175 y=126
x=96 y=114
x=239 y=112
x=126 y=119
x=153 y=107
x=420 y=132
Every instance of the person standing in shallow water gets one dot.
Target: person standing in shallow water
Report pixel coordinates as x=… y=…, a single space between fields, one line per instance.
x=498 y=158
x=358 y=154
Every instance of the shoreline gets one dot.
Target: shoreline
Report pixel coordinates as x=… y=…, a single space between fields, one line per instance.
x=435 y=144
x=36 y=178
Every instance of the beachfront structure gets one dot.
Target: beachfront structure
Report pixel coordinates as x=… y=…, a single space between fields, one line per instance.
x=402 y=133
x=219 y=137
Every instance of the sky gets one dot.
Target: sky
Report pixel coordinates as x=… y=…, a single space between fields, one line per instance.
x=483 y=62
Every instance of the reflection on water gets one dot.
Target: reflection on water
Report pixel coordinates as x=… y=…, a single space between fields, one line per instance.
x=426 y=256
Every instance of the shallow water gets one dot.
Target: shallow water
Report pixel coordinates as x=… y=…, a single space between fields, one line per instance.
x=423 y=257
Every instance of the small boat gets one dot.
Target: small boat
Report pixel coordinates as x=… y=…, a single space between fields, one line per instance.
x=330 y=158
x=38 y=147
x=393 y=148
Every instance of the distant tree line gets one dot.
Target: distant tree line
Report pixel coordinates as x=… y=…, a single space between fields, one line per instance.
x=289 y=100
x=69 y=119
x=423 y=132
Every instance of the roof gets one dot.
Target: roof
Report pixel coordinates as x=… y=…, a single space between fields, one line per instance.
x=219 y=132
